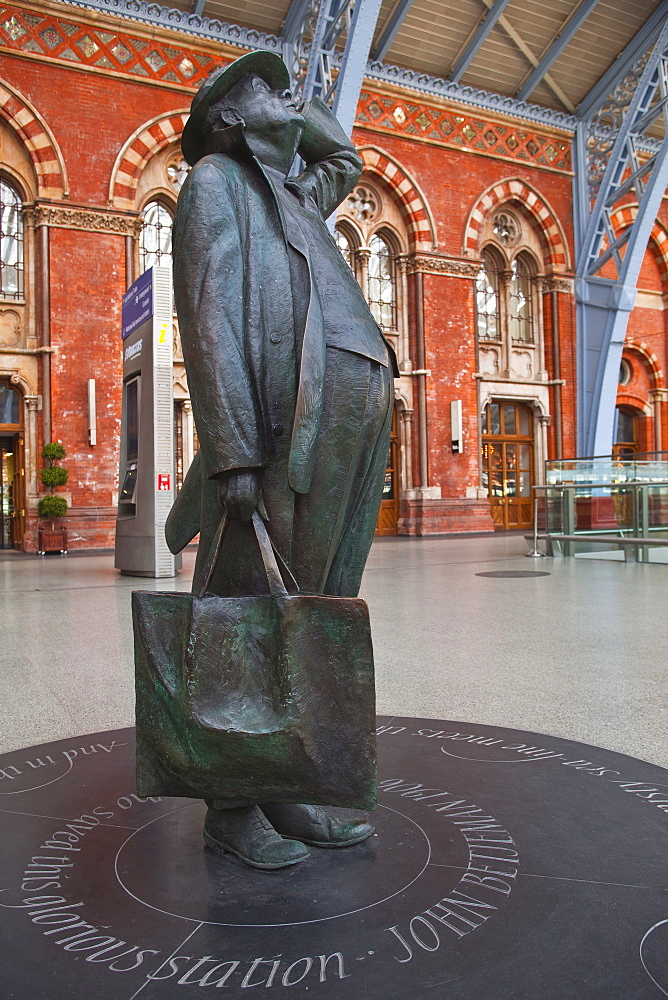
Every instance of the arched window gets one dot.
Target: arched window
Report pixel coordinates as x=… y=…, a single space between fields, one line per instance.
x=343 y=243
x=155 y=242
x=520 y=304
x=382 y=299
x=11 y=242
x=487 y=298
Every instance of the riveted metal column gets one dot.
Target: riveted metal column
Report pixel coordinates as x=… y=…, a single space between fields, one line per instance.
x=311 y=32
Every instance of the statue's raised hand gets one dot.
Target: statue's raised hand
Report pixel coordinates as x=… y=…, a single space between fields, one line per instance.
x=239 y=492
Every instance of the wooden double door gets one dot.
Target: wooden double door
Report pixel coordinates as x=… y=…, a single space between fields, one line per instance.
x=508 y=464
x=12 y=500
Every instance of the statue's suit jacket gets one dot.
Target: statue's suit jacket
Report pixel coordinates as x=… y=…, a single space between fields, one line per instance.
x=251 y=325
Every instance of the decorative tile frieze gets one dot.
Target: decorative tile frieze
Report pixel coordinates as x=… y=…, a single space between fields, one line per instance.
x=121 y=51
x=447 y=127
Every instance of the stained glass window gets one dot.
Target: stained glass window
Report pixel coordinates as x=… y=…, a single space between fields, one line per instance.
x=11 y=242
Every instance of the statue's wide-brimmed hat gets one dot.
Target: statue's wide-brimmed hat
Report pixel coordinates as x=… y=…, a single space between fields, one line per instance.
x=266 y=65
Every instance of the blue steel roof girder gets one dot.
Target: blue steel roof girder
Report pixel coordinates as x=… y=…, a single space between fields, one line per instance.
x=609 y=145
x=355 y=57
x=312 y=30
x=616 y=72
x=390 y=30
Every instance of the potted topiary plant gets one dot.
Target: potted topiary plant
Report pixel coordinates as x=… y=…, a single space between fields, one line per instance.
x=51 y=506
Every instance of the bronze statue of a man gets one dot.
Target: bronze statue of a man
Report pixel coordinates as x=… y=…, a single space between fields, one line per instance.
x=290 y=378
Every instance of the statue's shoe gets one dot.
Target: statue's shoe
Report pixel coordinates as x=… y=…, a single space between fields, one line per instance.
x=248 y=834
x=314 y=825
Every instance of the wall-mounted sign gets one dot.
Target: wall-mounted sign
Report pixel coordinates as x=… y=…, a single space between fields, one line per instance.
x=137 y=303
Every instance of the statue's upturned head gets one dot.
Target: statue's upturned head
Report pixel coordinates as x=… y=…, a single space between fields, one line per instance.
x=252 y=90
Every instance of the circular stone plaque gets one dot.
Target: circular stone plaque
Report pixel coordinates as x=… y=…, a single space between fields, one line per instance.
x=505 y=866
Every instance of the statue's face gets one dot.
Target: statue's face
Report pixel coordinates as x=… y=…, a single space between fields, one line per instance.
x=261 y=107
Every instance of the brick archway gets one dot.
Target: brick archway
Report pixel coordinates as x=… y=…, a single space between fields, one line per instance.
x=658 y=240
x=516 y=190
x=410 y=199
x=649 y=357
x=148 y=140
x=40 y=143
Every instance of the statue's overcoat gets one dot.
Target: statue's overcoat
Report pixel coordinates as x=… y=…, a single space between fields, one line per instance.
x=269 y=389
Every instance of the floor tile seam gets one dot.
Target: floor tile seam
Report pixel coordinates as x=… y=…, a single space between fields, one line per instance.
x=565 y=878
x=63 y=819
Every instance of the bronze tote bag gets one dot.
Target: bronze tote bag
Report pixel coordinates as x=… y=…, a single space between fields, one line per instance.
x=266 y=698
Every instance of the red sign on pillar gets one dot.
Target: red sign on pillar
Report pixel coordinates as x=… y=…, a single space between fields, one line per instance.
x=164 y=481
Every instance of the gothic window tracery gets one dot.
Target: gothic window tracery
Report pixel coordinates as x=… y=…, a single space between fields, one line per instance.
x=520 y=301
x=155 y=242
x=508 y=298
x=177 y=170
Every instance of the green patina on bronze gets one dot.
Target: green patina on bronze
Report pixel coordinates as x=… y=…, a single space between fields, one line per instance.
x=246 y=692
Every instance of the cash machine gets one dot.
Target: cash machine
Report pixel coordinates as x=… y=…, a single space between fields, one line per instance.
x=146 y=480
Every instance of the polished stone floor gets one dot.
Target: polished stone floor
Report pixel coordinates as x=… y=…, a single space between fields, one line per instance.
x=581 y=653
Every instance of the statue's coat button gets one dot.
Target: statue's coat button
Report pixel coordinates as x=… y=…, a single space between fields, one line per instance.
x=275 y=338
x=277 y=429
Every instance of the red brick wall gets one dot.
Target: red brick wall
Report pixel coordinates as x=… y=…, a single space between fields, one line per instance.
x=92 y=115
x=87 y=282
x=450 y=355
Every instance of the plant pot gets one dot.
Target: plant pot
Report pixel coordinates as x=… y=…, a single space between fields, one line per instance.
x=52 y=540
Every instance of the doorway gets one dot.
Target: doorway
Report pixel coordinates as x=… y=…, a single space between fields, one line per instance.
x=12 y=470
x=625 y=433
x=11 y=511
x=507 y=464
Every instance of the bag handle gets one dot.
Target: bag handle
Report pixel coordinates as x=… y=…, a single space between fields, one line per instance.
x=270 y=558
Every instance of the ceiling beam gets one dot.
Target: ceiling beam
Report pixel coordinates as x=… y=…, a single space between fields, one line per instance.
x=198 y=7
x=636 y=48
x=480 y=34
x=390 y=30
x=554 y=50
x=532 y=59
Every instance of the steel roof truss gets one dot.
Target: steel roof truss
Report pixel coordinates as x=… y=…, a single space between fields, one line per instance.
x=390 y=30
x=312 y=32
x=636 y=117
x=634 y=182
x=614 y=246
x=638 y=45
x=609 y=147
